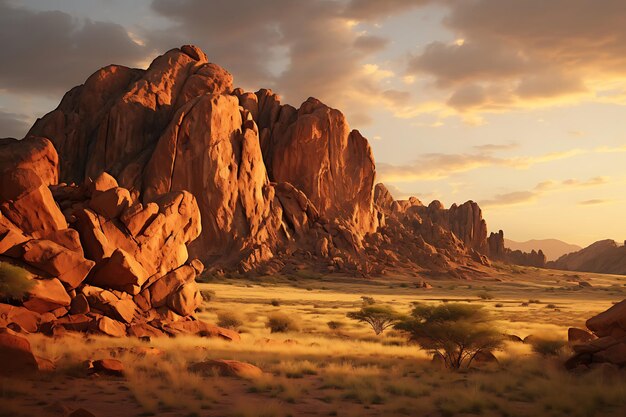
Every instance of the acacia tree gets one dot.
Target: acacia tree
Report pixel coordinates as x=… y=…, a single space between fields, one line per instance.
x=379 y=317
x=457 y=332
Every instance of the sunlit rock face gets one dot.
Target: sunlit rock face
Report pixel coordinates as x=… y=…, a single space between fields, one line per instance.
x=278 y=188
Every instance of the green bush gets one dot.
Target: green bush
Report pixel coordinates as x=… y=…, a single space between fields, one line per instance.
x=281 y=322
x=457 y=332
x=335 y=325
x=15 y=282
x=379 y=317
x=230 y=319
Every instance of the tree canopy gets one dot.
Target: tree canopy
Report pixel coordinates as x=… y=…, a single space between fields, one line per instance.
x=378 y=316
x=457 y=332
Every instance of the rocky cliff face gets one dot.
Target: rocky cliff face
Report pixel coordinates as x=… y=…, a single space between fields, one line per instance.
x=604 y=256
x=180 y=125
x=277 y=188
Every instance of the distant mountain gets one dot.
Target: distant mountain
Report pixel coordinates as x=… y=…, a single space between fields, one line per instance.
x=604 y=256
x=552 y=248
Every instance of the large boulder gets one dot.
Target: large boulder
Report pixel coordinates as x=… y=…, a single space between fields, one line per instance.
x=607 y=342
x=16 y=357
x=70 y=267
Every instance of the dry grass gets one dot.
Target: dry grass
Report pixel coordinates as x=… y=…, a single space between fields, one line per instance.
x=346 y=371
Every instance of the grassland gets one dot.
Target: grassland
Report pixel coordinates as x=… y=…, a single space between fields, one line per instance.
x=345 y=371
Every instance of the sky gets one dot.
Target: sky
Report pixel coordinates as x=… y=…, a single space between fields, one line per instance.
x=517 y=105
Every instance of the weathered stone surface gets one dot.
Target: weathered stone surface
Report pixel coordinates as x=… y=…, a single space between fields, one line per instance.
x=575 y=335
x=109 y=367
x=145 y=330
x=603 y=323
x=26 y=319
x=75 y=322
x=610 y=345
x=170 y=283
x=16 y=357
x=186 y=299
x=111 y=327
x=111 y=203
x=121 y=272
x=47 y=295
x=79 y=305
x=68 y=266
x=28 y=203
x=224 y=367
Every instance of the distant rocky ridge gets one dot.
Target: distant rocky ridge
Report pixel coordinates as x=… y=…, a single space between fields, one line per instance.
x=604 y=256
x=278 y=189
x=552 y=248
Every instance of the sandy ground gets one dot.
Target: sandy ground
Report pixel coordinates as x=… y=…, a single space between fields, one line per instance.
x=342 y=372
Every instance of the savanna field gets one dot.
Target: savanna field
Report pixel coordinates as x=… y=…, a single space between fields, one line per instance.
x=327 y=364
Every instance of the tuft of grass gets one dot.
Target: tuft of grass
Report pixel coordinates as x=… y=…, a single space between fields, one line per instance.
x=230 y=319
x=335 y=325
x=15 y=282
x=484 y=295
x=280 y=323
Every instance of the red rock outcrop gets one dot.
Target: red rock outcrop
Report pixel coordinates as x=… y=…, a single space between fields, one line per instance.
x=147 y=129
x=606 y=344
x=99 y=261
x=277 y=188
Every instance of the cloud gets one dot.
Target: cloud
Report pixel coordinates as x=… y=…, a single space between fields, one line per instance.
x=370 y=44
x=525 y=54
x=373 y=10
x=494 y=147
x=543 y=188
x=435 y=166
x=13 y=125
x=594 y=202
x=298 y=49
x=49 y=52
x=509 y=199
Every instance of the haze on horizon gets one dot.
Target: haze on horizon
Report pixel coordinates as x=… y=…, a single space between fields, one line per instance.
x=518 y=105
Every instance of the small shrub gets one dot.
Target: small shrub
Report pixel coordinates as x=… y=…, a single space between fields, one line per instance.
x=547 y=347
x=368 y=301
x=275 y=303
x=207 y=295
x=551 y=306
x=499 y=305
x=484 y=295
x=230 y=319
x=534 y=301
x=335 y=325
x=15 y=282
x=379 y=317
x=280 y=322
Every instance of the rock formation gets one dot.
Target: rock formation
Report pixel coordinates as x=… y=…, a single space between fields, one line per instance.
x=98 y=261
x=278 y=189
x=606 y=344
x=496 y=250
x=604 y=256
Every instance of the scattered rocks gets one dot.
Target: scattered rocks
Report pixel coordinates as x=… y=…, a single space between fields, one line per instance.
x=226 y=368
